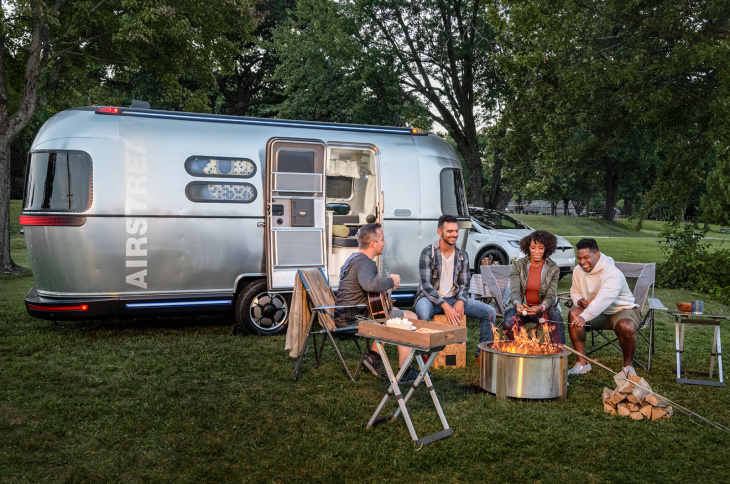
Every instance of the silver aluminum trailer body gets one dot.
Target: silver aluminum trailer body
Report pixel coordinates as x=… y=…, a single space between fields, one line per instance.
x=133 y=212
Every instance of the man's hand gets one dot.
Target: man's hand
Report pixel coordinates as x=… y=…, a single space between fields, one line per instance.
x=583 y=303
x=452 y=316
x=396 y=280
x=459 y=307
x=578 y=321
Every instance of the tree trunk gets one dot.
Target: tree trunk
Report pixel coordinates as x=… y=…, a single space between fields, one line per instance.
x=628 y=207
x=470 y=152
x=6 y=262
x=611 y=181
x=566 y=208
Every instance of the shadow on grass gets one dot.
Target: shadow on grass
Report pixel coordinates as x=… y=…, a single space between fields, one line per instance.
x=117 y=327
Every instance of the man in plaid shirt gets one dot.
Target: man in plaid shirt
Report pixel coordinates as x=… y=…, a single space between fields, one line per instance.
x=444 y=279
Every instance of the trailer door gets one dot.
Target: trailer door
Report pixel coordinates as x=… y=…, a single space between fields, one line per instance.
x=295 y=209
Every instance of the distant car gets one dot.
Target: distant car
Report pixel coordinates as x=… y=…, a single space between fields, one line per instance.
x=497 y=235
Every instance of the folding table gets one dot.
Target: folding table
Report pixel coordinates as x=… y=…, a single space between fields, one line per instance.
x=699 y=319
x=423 y=376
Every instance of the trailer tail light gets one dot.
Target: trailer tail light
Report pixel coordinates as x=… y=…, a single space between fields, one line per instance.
x=418 y=131
x=108 y=110
x=53 y=220
x=82 y=307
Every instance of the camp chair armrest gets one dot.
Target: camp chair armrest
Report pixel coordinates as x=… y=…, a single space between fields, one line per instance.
x=655 y=303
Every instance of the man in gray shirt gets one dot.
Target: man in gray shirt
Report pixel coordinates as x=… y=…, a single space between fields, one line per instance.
x=358 y=277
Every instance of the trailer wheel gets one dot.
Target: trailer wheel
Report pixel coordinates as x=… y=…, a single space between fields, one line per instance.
x=260 y=312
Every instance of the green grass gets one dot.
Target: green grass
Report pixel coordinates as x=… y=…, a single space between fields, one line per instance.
x=182 y=400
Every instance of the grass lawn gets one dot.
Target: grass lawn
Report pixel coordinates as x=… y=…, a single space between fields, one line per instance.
x=182 y=400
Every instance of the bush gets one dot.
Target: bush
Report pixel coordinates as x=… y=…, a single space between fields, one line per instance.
x=690 y=264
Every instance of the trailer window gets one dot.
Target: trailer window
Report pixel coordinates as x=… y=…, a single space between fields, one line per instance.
x=453 y=198
x=58 y=181
x=220 y=167
x=221 y=192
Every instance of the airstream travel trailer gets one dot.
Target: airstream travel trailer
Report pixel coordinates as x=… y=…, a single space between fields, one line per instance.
x=136 y=212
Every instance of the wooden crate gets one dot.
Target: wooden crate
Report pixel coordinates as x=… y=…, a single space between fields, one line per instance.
x=454 y=355
x=445 y=334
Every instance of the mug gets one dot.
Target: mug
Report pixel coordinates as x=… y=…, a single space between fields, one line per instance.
x=697 y=307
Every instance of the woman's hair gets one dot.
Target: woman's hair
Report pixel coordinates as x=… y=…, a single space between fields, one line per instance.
x=544 y=237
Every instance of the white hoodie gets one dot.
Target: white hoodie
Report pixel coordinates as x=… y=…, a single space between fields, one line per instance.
x=605 y=287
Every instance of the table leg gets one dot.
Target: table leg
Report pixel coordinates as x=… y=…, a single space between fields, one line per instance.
x=719 y=354
x=714 y=351
x=677 y=349
x=394 y=389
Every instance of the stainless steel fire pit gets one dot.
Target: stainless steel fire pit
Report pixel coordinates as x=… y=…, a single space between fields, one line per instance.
x=524 y=376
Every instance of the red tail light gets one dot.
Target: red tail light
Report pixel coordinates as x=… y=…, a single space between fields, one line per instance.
x=53 y=220
x=108 y=110
x=82 y=307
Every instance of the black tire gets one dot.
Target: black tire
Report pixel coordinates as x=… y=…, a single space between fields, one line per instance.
x=260 y=312
x=498 y=257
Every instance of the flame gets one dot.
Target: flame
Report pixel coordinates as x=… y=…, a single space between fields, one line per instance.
x=526 y=342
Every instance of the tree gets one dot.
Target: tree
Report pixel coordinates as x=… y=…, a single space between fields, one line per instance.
x=586 y=76
x=56 y=47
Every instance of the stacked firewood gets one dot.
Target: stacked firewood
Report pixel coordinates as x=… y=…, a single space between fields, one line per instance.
x=634 y=398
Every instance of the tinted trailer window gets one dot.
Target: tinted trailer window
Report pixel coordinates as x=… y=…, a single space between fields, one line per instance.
x=58 y=181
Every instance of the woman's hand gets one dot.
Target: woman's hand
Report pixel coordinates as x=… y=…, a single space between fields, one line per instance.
x=533 y=310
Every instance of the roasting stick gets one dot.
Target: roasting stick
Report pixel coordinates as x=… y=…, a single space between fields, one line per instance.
x=682 y=409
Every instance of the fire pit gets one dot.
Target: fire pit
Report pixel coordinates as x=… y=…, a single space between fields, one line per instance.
x=514 y=373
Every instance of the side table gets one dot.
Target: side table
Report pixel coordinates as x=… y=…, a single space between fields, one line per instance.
x=682 y=319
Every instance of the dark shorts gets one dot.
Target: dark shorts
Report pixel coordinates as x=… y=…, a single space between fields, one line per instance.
x=609 y=321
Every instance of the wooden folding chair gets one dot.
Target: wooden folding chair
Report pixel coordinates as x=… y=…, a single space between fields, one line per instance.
x=645 y=275
x=322 y=301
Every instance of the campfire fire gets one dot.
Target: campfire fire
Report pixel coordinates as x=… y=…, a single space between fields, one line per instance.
x=527 y=342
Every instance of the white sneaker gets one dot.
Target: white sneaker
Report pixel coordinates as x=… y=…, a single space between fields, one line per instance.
x=629 y=370
x=579 y=369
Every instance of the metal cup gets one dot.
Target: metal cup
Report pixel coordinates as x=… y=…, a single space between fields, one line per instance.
x=698 y=307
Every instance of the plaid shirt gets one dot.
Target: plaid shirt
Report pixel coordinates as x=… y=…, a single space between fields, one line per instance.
x=429 y=271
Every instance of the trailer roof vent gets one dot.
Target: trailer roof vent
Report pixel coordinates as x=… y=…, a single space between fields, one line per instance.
x=140 y=104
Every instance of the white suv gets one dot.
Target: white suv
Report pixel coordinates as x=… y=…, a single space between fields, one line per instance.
x=497 y=235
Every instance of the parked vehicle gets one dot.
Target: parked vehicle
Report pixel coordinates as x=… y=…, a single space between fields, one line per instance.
x=135 y=212
x=495 y=235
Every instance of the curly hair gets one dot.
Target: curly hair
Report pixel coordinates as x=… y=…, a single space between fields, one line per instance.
x=542 y=236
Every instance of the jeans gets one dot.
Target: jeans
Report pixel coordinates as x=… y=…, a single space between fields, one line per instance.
x=426 y=310
x=557 y=334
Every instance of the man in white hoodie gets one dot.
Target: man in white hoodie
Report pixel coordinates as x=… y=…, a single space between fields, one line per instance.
x=602 y=298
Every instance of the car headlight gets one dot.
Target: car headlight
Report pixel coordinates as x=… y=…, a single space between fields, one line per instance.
x=514 y=243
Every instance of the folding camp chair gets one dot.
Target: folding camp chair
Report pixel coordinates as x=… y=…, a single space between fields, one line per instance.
x=644 y=275
x=496 y=281
x=322 y=300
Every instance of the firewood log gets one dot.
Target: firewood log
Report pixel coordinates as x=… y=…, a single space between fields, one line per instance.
x=633 y=398
x=652 y=400
x=622 y=410
x=636 y=415
x=642 y=389
x=646 y=410
x=608 y=408
x=607 y=394
x=617 y=398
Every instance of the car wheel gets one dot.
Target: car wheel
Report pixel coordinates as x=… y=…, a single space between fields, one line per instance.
x=259 y=311
x=498 y=257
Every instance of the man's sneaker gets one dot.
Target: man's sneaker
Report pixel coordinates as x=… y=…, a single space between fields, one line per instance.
x=374 y=363
x=579 y=369
x=411 y=374
x=629 y=370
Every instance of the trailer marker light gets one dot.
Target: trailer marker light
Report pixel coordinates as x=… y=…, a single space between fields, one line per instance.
x=108 y=110
x=82 y=307
x=52 y=220
x=177 y=304
x=418 y=131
